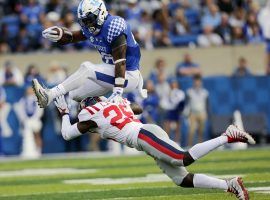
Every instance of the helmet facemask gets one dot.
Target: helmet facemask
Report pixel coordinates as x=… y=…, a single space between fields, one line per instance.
x=90 y=21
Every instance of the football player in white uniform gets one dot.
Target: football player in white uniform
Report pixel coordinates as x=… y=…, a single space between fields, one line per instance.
x=120 y=53
x=118 y=122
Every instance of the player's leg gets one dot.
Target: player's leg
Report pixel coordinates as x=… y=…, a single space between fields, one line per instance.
x=102 y=74
x=89 y=88
x=231 y=135
x=105 y=75
x=154 y=141
x=192 y=128
x=201 y=126
x=74 y=81
x=181 y=177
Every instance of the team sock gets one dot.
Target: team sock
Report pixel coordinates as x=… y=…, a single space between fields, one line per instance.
x=204 y=181
x=201 y=149
x=57 y=91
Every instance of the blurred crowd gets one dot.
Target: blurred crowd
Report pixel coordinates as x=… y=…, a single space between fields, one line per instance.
x=167 y=105
x=155 y=23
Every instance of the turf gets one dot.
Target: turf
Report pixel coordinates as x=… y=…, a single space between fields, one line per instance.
x=253 y=164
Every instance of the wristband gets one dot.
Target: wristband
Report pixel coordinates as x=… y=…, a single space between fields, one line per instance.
x=119 y=60
x=63 y=114
x=119 y=81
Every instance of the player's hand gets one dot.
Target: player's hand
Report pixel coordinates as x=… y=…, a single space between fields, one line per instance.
x=116 y=96
x=53 y=33
x=61 y=105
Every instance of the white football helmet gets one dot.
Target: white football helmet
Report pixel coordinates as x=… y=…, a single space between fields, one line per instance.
x=92 y=14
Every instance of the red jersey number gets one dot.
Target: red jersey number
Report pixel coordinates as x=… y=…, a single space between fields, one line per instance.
x=122 y=115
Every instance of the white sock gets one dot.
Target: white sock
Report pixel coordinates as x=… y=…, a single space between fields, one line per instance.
x=57 y=91
x=201 y=149
x=204 y=181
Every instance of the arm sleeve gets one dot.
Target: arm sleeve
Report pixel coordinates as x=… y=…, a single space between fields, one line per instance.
x=116 y=28
x=69 y=131
x=85 y=115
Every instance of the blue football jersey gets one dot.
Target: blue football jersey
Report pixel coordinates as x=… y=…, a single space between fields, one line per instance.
x=113 y=27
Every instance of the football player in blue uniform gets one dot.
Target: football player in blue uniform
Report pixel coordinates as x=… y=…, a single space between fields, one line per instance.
x=120 y=53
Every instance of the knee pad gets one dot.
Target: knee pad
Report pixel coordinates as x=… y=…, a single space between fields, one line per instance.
x=187 y=160
x=188 y=181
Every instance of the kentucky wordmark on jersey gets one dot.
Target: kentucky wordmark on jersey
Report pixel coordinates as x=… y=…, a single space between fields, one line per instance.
x=113 y=27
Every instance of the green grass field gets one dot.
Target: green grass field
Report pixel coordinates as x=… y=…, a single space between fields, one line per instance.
x=125 y=177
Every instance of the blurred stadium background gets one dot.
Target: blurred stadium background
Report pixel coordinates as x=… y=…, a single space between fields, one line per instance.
x=215 y=51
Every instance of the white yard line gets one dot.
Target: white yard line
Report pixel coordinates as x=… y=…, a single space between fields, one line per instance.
x=259 y=188
x=45 y=172
x=75 y=156
x=149 y=178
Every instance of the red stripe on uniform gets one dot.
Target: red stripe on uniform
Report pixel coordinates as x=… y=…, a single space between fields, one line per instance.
x=90 y=111
x=96 y=108
x=160 y=147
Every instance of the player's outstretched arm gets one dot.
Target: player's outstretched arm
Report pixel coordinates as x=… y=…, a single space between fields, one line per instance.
x=62 y=35
x=70 y=131
x=119 y=48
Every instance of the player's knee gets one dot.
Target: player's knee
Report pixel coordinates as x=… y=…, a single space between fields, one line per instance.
x=177 y=180
x=187 y=160
x=86 y=66
x=187 y=181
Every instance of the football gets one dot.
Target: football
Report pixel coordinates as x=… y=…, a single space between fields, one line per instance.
x=66 y=37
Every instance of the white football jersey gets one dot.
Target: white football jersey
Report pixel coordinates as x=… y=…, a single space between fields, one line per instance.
x=116 y=122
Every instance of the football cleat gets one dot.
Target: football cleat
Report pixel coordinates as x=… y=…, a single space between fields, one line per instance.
x=234 y=134
x=41 y=93
x=236 y=187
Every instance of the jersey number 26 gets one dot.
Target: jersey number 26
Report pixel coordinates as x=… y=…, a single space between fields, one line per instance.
x=121 y=115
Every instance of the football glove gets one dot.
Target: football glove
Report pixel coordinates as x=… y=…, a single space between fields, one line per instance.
x=116 y=96
x=61 y=105
x=53 y=34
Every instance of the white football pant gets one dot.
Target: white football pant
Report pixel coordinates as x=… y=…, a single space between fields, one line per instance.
x=154 y=141
x=97 y=80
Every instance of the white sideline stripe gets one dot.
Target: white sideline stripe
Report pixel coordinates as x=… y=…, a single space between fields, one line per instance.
x=149 y=178
x=45 y=172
